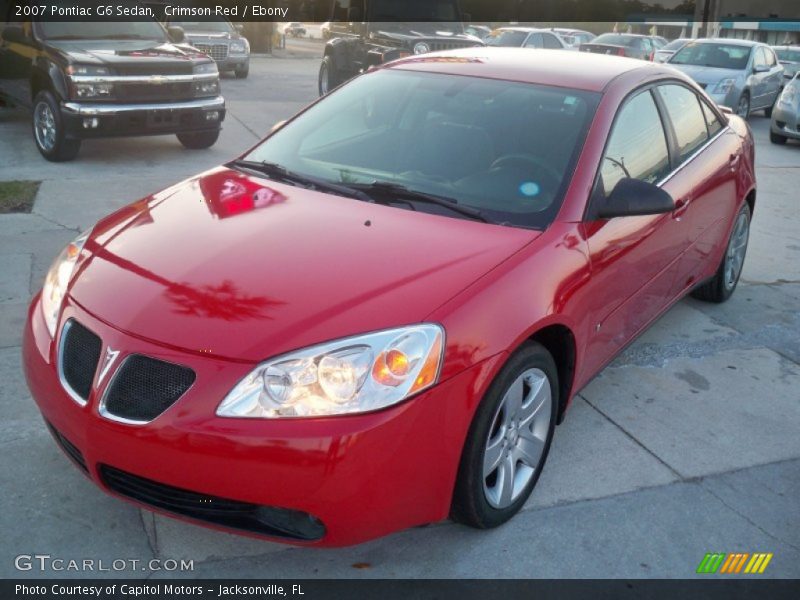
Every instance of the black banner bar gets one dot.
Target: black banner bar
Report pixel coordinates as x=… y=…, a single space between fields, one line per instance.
x=503 y=589
x=486 y=11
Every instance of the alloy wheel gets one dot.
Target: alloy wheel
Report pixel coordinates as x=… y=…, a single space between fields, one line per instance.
x=743 y=109
x=517 y=438
x=737 y=247
x=44 y=124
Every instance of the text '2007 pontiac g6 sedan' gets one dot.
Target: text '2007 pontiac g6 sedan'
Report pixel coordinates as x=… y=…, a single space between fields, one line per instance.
x=376 y=317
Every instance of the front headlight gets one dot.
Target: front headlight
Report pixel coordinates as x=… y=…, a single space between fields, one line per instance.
x=724 y=86
x=353 y=375
x=789 y=95
x=421 y=48
x=205 y=68
x=82 y=90
x=57 y=280
x=88 y=70
x=239 y=47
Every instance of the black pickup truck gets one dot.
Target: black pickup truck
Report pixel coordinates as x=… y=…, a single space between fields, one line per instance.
x=365 y=33
x=101 y=79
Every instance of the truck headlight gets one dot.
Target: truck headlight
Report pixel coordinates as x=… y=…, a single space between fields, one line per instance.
x=57 y=280
x=353 y=375
x=205 y=68
x=238 y=47
x=206 y=88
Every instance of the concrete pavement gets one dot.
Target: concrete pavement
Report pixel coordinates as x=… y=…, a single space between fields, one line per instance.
x=688 y=443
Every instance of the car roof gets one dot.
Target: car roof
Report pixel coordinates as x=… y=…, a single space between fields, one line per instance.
x=638 y=35
x=525 y=29
x=575 y=70
x=729 y=41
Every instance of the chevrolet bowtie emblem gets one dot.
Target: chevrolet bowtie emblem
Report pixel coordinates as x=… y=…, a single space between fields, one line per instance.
x=157 y=79
x=108 y=360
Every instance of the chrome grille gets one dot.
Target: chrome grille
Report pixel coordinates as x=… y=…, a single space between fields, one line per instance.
x=138 y=92
x=215 y=51
x=437 y=46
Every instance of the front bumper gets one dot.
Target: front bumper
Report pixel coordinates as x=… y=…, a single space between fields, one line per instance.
x=91 y=120
x=360 y=476
x=786 y=121
x=232 y=62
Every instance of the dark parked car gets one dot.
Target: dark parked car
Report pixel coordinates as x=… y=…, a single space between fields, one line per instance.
x=88 y=80
x=622 y=44
x=367 y=33
x=221 y=40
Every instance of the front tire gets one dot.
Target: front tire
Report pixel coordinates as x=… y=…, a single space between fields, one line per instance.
x=722 y=285
x=242 y=72
x=198 y=141
x=743 y=108
x=49 y=131
x=328 y=77
x=508 y=441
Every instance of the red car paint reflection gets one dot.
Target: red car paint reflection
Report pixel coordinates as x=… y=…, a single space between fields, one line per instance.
x=175 y=278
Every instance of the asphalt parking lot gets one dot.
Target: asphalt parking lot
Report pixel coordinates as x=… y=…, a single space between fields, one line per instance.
x=689 y=443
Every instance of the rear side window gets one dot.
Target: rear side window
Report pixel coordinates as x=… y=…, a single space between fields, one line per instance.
x=534 y=41
x=713 y=123
x=637 y=147
x=688 y=121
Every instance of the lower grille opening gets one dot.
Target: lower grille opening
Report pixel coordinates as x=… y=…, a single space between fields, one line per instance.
x=242 y=516
x=68 y=447
x=144 y=387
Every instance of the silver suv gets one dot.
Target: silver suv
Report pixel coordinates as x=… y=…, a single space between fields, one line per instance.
x=220 y=40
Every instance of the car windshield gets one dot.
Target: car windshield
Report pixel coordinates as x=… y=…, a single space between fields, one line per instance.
x=788 y=54
x=616 y=40
x=675 y=45
x=506 y=37
x=719 y=56
x=502 y=148
x=99 y=30
x=219 y=25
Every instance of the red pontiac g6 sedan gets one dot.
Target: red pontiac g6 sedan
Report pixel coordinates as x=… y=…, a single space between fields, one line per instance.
x=375 y=318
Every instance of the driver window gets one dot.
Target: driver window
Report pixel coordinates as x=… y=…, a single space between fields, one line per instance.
x=760 y=59
x=637 y=146
x=550 y=41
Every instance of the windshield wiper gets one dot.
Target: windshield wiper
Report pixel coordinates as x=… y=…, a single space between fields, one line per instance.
x=280 y=173
x=401 y=191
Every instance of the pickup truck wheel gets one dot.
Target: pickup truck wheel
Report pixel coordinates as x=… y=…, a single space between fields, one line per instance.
x=198 y=141
x=328 y=77
x=777 y=138
x=49 y=131
x=242 y=72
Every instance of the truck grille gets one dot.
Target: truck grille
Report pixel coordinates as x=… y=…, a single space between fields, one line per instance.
x=215 y=51
x=439 y=45
x=266 y=520
x=145 y=387
x=138 y=92
x=78 y=358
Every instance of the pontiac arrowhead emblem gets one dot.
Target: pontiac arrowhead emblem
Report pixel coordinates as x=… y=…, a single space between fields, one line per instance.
x=108 y=360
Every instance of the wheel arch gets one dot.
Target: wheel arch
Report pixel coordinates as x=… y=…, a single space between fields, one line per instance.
x=559 y=341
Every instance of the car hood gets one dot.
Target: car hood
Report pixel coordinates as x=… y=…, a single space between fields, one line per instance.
x=143 y=56
x=707 y=75
x=245 y=268
x=414 y=35
x=211 y=35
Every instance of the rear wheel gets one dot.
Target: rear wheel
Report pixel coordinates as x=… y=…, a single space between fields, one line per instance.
x=721 y=286
x=198 y=141
x=49 y=131
x=508 y=440
x=777 y=138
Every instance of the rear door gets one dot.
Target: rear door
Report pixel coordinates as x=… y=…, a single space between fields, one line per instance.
x=759 y=85
x=704 y=155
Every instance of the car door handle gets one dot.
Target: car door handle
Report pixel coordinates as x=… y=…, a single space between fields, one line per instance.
x=681 y=206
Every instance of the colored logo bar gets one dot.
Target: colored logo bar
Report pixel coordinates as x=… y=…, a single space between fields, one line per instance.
x=733 y=563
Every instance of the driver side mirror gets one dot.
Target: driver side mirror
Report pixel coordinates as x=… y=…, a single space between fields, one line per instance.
x=15 y=35
x=760 y=69
x=176 y=34
x=633 y=197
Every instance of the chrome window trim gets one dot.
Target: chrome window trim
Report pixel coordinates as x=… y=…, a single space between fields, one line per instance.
x=60 y=367
x=152 y=79
x=692 y=156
